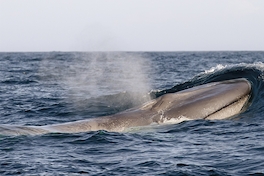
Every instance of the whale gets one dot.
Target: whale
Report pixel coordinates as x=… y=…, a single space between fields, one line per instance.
x=211 y=101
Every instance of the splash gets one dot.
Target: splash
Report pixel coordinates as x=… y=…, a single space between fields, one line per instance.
x=216 y=68
x=257 y=65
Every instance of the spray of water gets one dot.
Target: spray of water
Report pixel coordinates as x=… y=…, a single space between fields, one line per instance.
x=90 y=75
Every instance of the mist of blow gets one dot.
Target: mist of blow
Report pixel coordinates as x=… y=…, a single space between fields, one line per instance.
x=113 y=78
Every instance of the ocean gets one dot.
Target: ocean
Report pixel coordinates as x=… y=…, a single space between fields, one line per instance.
x=55 y=87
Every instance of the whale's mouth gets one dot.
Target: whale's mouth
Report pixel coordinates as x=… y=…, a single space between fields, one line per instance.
x=234 y=108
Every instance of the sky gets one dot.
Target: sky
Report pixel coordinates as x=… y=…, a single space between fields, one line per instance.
x=131 y=25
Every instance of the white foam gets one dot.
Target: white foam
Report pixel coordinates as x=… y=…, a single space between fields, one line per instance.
x=216 y=68
x=256 y=65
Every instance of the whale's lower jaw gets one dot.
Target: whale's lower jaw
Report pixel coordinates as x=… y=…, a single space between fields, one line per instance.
x=230 y=110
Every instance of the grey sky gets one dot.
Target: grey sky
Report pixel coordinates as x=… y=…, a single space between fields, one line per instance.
x=131 y=25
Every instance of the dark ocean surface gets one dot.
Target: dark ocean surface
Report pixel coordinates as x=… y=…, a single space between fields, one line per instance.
x=56 y=87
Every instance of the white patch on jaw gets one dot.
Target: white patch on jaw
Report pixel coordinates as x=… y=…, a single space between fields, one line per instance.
x=176 y=120
x=162 y=117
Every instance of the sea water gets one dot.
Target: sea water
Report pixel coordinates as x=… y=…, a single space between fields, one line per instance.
x=56 y=87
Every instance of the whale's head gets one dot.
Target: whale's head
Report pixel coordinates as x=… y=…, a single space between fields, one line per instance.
x=217 y=100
